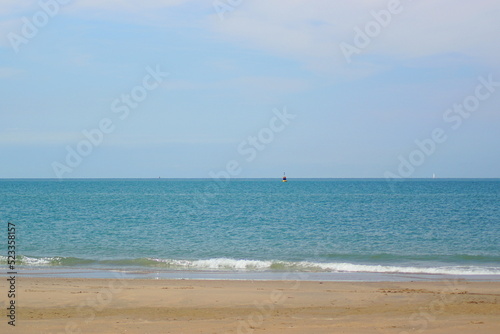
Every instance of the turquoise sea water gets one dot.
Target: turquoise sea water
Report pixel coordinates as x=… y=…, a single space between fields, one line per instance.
x=257 y=226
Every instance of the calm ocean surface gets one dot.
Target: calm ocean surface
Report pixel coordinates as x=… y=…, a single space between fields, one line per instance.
x=255 y=226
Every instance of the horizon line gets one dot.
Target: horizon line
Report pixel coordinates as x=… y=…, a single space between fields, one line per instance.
x=247 y=178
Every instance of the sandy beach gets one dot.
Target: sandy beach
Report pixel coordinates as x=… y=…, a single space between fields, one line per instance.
x=69 y=305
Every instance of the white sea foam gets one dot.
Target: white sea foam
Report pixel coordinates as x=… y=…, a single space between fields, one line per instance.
x=450 y=270
x=218 y=263
x=31 y=261
x=43 y=261
x=259 y=265
x=234 y=264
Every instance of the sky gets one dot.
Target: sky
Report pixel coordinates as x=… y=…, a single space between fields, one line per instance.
x=239 y=88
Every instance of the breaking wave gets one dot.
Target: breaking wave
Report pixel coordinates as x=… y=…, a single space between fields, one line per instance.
x=227 y=264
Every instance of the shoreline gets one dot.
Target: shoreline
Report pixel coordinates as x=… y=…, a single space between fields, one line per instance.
x=88 y=305
x=243 y=275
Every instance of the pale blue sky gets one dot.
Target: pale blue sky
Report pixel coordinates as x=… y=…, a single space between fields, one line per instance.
x=226 y=76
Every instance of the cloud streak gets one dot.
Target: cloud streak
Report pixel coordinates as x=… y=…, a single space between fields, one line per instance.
x=311 y=31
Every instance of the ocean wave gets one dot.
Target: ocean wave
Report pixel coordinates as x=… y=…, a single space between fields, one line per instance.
x=47 y=261
x=228 y=264
x=446 y=270
x=386 y=257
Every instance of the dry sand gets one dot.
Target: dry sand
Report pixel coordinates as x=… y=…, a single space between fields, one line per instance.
x=67 y=305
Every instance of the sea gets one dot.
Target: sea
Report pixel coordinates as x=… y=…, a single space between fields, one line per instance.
x=308 y=229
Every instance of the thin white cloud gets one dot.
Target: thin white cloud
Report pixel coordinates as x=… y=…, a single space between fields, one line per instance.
x=442 y=27
x=297 y=29
x=9 y=72
x=173 y=85
x=148 y=140
x=13 y=7
x=311 y=31
x=248 y=83
x=24 y=137
x=270 y=84
x=138 y=12
x=266 y=89
x=7 y=27
x=82 y=59
x=127 y=5
x=157 y=13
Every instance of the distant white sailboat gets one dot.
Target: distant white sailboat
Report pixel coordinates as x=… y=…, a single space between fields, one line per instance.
x=433 y=175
